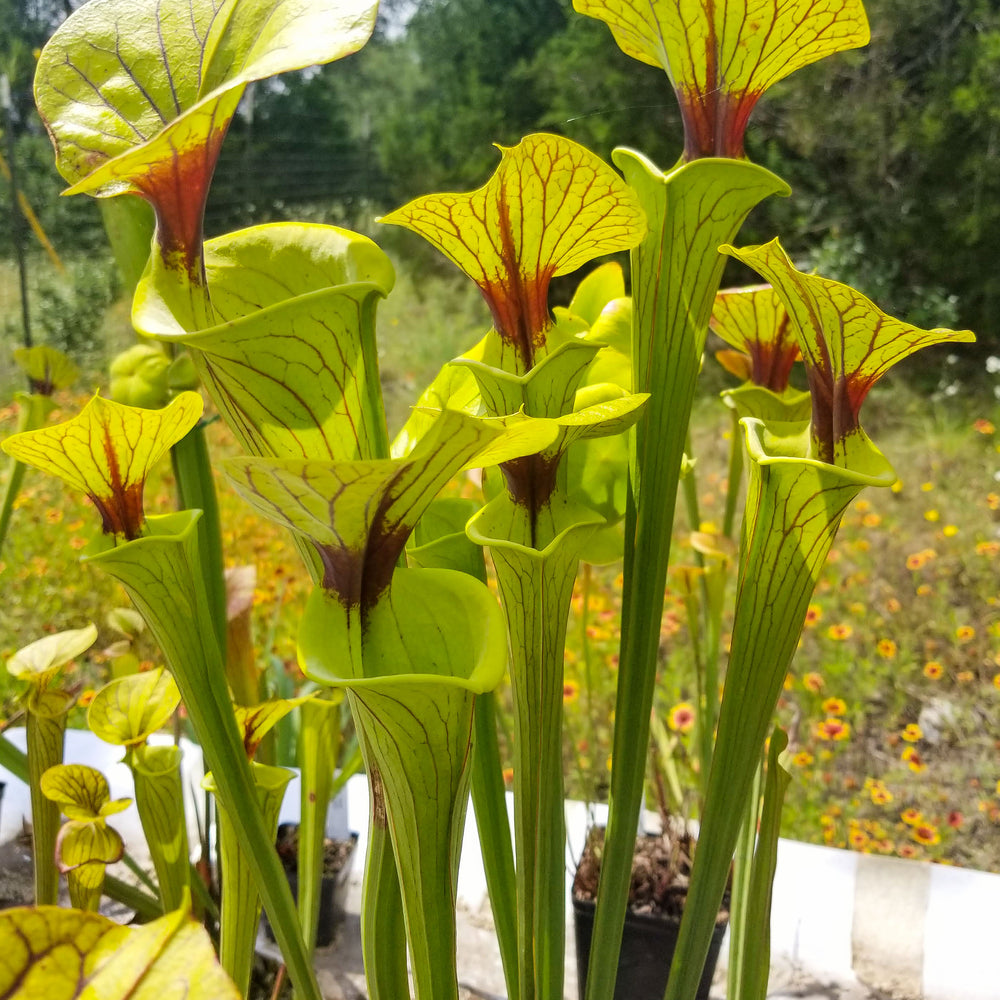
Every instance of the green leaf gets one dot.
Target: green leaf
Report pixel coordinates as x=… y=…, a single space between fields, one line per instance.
x=757 y=958
x=551 y=207
x=319 y=744
x=126 y=621
x=129 y=710
x=81 y=792
x=360 y=514
x=137 y=98
x=412 y=691
x=675 y=275
x=107 y=452
x=86 y=842
x=38 y=662
x=596 y=291
x=292 y=365
x=162 y=576
x=240 y=900
x=98 y=958
x=440 y=539
x=794 y=506
x=256 y=721
x=159 y=797
x=721 y=56
x=847 y=344
x=749 y=400
x=535 y=554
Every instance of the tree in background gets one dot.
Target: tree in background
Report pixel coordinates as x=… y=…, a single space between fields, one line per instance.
x=895 y=182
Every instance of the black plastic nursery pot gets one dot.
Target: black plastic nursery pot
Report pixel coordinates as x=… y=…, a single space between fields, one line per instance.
x=333 y=889
x=648 y=945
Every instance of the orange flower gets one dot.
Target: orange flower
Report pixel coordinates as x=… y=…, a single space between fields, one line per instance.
x=983 y=426
x=681 y=718
x=813 y=682
x=933 y=670
x=834 y=706
x=858 y=839
x=912 y=733
x=832 y=729
x=803 y=758
x=926 y=834
x=886 y=649
x=913 y=760
x=871 y=520
x=840 y=632
x=908 y=851
x=964 y=676
x=570 y=691
x=915 y=560
x=911 y=816
x=993 y=501
x=86 y=697
x=813 y=614
x=987 y=548
x=880 y=794
x=964 y=633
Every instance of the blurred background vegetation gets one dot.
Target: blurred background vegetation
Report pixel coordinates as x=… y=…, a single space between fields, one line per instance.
x=891 y=151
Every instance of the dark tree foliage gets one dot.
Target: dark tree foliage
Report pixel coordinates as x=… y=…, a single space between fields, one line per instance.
x=891 y=151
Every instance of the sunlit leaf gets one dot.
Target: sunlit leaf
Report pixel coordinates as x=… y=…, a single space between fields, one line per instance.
x=87 y=842
x=847 y=343
x=360 y=514
x=241 y=904
x=721 y=55
x=62 y=954
x=551 y=207
x=138 y=97
x=255 y=721
x=754 y=320
x=596 y=290
x=159 y=798
x=129 y=710
x=435 y=641
x=291 y=364
x=107 y=452
x=794 y=506
x=127 y=621
x=40 y=659
x=81 y=792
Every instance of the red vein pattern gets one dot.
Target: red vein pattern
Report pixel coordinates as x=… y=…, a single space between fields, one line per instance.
x=755 y=321
x=106 y=451
x=550 y=207
x=721 y=55
x=847 y=342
